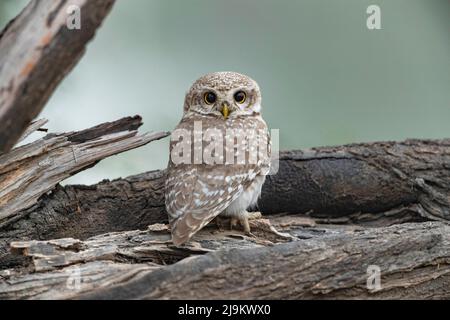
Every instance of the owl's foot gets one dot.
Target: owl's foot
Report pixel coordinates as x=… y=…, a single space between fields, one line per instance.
x=250 y=234
x=244 y=222
x=244 y=218
x=219 y=223
x=254 y=215
x=233 y=222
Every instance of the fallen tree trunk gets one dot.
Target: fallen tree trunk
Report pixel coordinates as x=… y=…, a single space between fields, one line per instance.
x=323 y=262
x=32 y=170
x=34 y=58
x=372 y=184
x=29 y=171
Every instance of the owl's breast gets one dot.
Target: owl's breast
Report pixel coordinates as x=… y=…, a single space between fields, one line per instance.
x=247 y=199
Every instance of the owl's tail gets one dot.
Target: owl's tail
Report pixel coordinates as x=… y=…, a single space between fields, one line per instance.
x=185 y=227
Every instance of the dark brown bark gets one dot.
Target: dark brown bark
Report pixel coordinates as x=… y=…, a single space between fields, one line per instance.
x=409 y=178
x=36 y=51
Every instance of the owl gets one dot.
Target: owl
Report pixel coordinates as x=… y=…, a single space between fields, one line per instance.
x=222 y=109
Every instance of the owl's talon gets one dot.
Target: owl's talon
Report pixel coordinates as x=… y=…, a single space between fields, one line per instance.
x=249 y=234
x=244 y=222
x=254 y=215
x=233 y=223
x=219 y=224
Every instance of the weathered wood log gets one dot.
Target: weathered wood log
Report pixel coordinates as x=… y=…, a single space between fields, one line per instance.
x=114 y=256
x=371 y=184
x=33 y=127
x=29 y=171
x=34 y=58
x=34 y=169
x=306 y=261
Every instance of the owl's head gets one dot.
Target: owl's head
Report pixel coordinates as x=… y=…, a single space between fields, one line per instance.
x=224 y=95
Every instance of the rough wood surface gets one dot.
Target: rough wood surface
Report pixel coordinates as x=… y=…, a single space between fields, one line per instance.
x=304 y=261
x=31 y=170
x=33 y=127
x=305 y=249
x=370 y=184
x=36 y=51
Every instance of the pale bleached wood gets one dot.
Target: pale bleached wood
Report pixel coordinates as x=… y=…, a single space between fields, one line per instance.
x=36 y=51
x=316 y=262
x=64 y=283
x=31 y=170
x=34 y=126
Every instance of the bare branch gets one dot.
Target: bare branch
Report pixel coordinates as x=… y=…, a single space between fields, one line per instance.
x=36 y=51
x=29 y=171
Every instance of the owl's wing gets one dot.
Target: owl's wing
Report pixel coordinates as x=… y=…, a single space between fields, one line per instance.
x=196 y=194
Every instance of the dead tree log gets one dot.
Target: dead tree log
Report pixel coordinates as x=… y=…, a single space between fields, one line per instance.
x=34 y=169
x=371 y=184
x=312 y=262
x=33 y=127
x=29 y=171
x=34 y=58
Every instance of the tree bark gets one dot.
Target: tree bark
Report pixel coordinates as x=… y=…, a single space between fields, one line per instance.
x=370 y=184
x=29 y=171
x=33 y=170
x=34 y=59
x=302 y=262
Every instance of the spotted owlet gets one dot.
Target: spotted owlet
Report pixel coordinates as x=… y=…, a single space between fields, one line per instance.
x=219 y=155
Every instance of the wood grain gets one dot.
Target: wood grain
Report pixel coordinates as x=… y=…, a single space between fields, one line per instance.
x=31 y=170
x=316 y=262
x=37 y=50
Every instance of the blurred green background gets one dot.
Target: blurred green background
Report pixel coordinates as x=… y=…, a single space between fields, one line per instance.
x=326 y=79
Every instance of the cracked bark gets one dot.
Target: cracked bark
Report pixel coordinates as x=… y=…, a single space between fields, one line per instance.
x=372 y=184
x=30 y=171
x=317 y=262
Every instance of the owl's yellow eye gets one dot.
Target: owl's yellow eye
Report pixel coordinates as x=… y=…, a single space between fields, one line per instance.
x=240 y=97
x=210 y=97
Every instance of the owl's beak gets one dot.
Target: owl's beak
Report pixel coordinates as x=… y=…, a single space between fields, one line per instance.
x=225 y=110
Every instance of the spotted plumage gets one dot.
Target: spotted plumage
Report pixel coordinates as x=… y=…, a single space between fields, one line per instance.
x=227 y=105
